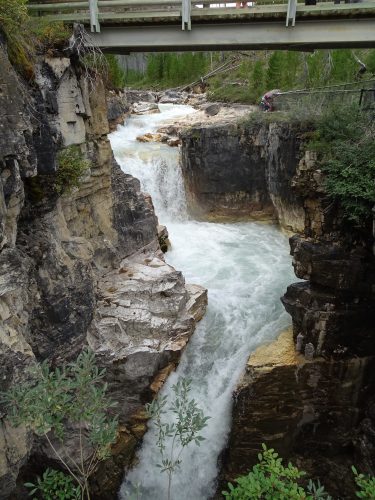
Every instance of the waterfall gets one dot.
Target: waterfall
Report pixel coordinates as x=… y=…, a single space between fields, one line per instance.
x=245 y=267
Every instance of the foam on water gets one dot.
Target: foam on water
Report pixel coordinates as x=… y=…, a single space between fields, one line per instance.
x=246 y=268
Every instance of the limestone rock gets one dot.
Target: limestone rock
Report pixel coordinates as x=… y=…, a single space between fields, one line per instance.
x=118 y=108
x=301 y=408
x=135 y=96
x=53 y=249
x=174 y=142
x=143 y=108
x=211 y=109
x=233 y=171
x=173 y=97
x=149 y=137
x=144 y=318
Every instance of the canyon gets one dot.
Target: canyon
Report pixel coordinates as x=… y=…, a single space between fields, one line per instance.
x=86 y=268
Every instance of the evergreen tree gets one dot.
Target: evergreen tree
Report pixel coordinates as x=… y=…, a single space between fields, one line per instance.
x=275 y=70
x=257 y=83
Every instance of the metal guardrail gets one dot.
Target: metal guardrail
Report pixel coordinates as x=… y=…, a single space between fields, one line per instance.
x=97 y=11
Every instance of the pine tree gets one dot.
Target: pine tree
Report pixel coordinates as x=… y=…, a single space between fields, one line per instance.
x=275 y=70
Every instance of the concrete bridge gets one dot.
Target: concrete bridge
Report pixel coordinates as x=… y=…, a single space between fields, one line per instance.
x=124 y=26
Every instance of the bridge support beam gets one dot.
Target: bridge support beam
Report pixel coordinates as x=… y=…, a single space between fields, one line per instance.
x=291 y=12
x=94 y=16
x=186 y=14
x=306 y=35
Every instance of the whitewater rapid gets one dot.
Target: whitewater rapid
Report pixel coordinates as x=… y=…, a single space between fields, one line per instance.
x=245 y=267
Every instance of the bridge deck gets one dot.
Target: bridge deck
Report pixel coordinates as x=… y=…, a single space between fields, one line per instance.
x=155 y=25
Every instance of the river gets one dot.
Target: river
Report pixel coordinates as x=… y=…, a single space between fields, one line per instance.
x=245 y=267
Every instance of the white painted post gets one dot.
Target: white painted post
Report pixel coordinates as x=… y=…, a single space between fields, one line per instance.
x=186 y=14
x=94 y=16
x=291 y=12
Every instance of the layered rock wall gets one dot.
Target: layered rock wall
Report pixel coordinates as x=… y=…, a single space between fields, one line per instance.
x=243 y=171
x=316 y=407
x=62 y=268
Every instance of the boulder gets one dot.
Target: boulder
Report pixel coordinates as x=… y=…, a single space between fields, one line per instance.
x=143 y=108
x=212 y=109
x=134 y=96
x=152 y=137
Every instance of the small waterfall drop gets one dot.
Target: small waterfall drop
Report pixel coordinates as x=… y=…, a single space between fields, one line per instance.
x=246 y=268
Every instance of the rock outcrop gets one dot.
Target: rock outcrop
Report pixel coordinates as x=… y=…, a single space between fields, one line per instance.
x=243 y=171
x=60 y=254
x=306 y=410
x=316 y=407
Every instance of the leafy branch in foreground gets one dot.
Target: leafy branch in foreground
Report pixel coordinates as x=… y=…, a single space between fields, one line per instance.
x=173 y=437
x=68 y=402
x=55 y=485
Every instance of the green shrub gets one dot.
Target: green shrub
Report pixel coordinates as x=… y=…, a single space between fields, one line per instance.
x=366 y=485
x=55 y=485
x=68 y=401
x=270 y=480
x=49 y=34
x=344 y=140
x=71 y=167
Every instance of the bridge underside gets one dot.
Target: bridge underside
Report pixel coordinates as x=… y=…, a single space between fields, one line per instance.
x=304 y=36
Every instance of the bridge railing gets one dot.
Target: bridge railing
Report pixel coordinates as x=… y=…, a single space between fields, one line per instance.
x=112 y=12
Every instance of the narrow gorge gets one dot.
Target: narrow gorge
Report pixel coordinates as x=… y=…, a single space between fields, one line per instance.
x=168 y=260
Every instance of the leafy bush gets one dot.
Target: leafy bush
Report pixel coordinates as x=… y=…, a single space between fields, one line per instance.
x=55 y=485
x=366 y=485
x=69 y=400
x=344 y=140
x=270 y=480
x=71 y=167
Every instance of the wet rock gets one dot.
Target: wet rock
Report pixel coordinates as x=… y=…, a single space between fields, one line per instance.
x=118 y=108
x=235 y=171
x=152 y=137
x=144 y=318
x=144 y=108
x=211 y=109
x=174 y=142
x=135 y=96
x=173 y=97
x=302 y=409
x=163 y=238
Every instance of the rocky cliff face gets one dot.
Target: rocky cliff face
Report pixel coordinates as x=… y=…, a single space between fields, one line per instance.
x=62 y=271
x=311 y=412
x=243 y=171
x=317 y=407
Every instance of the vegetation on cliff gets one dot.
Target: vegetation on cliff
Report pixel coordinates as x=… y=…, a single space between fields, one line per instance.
x=269 y=479
x=345 y=142
x=71 y=167
x=69 y=408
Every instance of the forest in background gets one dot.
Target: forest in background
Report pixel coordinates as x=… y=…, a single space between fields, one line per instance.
x=252 y=72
